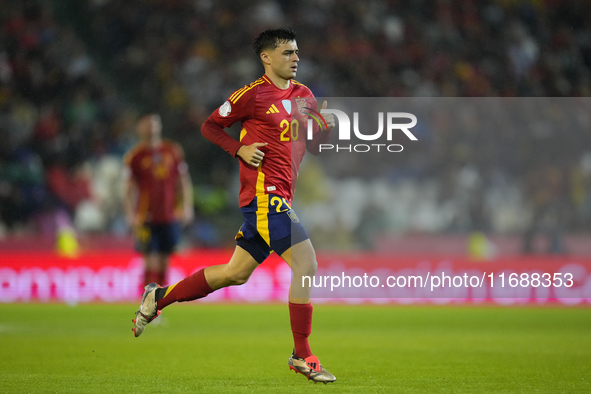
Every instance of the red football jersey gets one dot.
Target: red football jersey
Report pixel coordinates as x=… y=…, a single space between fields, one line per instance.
x=156 y=172
x=272 y=115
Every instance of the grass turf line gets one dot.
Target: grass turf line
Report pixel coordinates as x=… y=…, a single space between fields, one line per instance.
x=244 y=348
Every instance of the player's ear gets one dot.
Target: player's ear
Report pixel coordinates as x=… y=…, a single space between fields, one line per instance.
x=265 y=57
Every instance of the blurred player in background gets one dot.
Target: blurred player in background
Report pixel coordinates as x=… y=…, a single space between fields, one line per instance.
x=271 y=146
x=158 y=196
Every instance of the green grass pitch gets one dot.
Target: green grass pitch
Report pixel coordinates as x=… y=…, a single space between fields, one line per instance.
x=244 y=349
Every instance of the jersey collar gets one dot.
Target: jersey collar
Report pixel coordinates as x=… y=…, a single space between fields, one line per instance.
x=276 y=87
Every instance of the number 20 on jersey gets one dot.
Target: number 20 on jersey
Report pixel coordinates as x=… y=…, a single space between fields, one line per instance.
x=289 y=131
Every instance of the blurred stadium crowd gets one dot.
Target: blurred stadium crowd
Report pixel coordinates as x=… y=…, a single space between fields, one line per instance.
x=74 y=74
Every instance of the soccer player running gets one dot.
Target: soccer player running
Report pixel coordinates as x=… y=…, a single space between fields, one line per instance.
x=270 y=150
x=158 y=195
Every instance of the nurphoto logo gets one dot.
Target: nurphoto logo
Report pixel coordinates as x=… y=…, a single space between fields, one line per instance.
x=344 y=130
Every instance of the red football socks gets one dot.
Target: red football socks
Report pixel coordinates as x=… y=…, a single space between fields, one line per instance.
x=191 y=288
x=300 y=316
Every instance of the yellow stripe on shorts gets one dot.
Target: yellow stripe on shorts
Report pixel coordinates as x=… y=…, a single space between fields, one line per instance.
x=263 y=218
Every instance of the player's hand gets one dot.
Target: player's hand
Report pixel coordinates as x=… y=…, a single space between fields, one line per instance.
x=328 y=117
x=251 y=154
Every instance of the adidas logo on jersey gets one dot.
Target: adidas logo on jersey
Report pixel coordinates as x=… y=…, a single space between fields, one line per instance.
x=272 y=109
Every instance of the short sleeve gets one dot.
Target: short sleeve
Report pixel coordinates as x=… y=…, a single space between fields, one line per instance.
x=237 y=108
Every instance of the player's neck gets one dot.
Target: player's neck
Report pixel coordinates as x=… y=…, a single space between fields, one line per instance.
x=281 y=83
x=153 y=142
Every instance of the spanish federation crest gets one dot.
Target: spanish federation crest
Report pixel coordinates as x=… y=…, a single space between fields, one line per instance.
x=301 y=103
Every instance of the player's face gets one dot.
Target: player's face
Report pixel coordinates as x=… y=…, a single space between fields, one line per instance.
x=284 y=60
x=149 y=127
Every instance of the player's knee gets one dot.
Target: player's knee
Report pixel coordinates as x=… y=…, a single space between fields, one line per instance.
x=312 y=267
x=305 y=267
x=238 y=278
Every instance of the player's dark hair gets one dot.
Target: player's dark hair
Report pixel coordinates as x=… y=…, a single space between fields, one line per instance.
x=272 y=38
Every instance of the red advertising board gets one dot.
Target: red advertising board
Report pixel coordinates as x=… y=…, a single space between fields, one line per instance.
x=354 y=277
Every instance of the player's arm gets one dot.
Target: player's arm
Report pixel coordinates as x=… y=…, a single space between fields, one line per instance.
x=186 y=189
x=215 y=133
x=129 y=198
x=226 y=115
x=321 y=135
x=187 y=193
